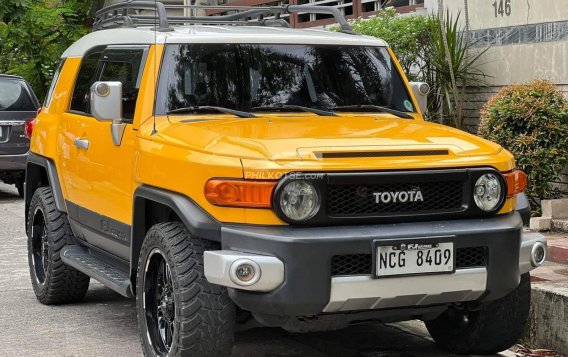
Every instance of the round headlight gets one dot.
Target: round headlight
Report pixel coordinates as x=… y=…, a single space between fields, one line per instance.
x=487 y=192
x=299 y=200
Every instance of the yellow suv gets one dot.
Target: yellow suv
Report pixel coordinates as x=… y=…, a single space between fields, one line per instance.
x=231 y=168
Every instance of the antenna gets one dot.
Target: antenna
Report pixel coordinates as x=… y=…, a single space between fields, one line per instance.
x=154 y=131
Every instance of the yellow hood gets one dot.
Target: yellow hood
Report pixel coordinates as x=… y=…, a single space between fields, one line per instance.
x=307 y=137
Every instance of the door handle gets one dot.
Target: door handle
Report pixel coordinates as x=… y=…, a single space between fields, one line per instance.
x=81 y=143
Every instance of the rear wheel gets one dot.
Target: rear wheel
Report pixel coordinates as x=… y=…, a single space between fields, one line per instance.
x=495 y=327
x=48 y=232
x=179 y=312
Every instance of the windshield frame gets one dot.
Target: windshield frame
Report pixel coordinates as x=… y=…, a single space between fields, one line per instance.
x=161 y=109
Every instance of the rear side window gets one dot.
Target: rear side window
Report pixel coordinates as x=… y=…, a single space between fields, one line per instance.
x=85 y=79
x=49 y=95
x=115 y=63
x=15 y=97
x=124 y=65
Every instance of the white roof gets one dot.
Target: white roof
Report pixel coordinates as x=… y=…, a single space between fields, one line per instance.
x=217 y=34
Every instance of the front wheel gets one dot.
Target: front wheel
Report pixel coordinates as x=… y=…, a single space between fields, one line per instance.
x=495 y=327
x=179 y=312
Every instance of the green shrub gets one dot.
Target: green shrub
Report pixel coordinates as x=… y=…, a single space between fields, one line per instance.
x=531 y=121
x=34 y=34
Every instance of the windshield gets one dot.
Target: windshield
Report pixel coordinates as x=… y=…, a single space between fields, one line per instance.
x=248 y=76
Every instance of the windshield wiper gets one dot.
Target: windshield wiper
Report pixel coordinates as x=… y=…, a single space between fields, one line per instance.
x=374 y=108
x=209 y=108
x=296 y=107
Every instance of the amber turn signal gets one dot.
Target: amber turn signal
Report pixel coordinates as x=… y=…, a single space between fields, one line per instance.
x=516 y=182
x=239 y=193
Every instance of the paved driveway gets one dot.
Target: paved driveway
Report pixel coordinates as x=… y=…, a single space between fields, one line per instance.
x=104 y=324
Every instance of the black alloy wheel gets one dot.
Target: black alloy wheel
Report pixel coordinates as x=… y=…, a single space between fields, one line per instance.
x=159 y=303
x=40 y=246
x=179 y=312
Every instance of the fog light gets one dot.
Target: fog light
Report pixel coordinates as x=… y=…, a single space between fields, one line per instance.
x=538 y=255
x=245 y=272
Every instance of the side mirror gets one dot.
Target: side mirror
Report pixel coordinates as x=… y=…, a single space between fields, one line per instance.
x=106 y=105
x=106 y=101
x=421 y=91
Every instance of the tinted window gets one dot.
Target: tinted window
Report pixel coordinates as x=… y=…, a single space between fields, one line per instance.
x=243 y=76
x=124 y=65
x=14 y=96
x=112 y=64
x=49 y=95
x=85 y=79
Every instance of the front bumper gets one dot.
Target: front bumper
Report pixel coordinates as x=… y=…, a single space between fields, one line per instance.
x=300 y=282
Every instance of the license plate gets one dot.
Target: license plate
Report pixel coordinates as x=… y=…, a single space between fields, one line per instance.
x=409 y=258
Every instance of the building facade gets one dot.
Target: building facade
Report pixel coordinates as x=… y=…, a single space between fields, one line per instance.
x=525 y=40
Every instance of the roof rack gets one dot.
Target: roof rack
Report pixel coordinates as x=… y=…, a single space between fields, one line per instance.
x=129 y=14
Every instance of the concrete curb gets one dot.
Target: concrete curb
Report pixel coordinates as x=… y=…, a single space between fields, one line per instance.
x=548 y=320
x=558 y=250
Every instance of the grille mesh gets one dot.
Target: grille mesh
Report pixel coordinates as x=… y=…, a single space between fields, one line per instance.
x=353 y=264
x=362 y=264
x=359 y=200
x=471 y=257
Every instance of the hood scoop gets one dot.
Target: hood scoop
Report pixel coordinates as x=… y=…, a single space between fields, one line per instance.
x=389 y=153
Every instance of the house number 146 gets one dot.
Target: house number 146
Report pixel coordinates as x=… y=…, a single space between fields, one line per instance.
x=502 y=7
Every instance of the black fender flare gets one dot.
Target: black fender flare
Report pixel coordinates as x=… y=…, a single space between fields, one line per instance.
x=35 y=178
x=199 y=223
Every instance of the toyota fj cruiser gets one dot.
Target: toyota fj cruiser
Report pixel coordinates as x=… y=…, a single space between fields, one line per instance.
x=231 y=168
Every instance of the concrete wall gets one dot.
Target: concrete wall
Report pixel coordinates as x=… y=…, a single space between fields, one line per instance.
x=530 y=43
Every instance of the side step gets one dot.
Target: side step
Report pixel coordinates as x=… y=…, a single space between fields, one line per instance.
x=81 y=259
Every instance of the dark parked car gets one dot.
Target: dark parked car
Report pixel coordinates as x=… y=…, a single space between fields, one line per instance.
x=18 y=106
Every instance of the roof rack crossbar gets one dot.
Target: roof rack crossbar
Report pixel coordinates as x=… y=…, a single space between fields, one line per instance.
x=329 y=10
x=117 y=15
x=120 y=12
x=139 y=20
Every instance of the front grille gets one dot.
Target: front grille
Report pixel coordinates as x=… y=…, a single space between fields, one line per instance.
x=362 y=264
x=473 y=257
x=359 y=200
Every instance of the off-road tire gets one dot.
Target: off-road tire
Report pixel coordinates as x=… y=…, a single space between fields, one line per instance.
x=59 y=283
x=495 y=327
x=204 y=321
